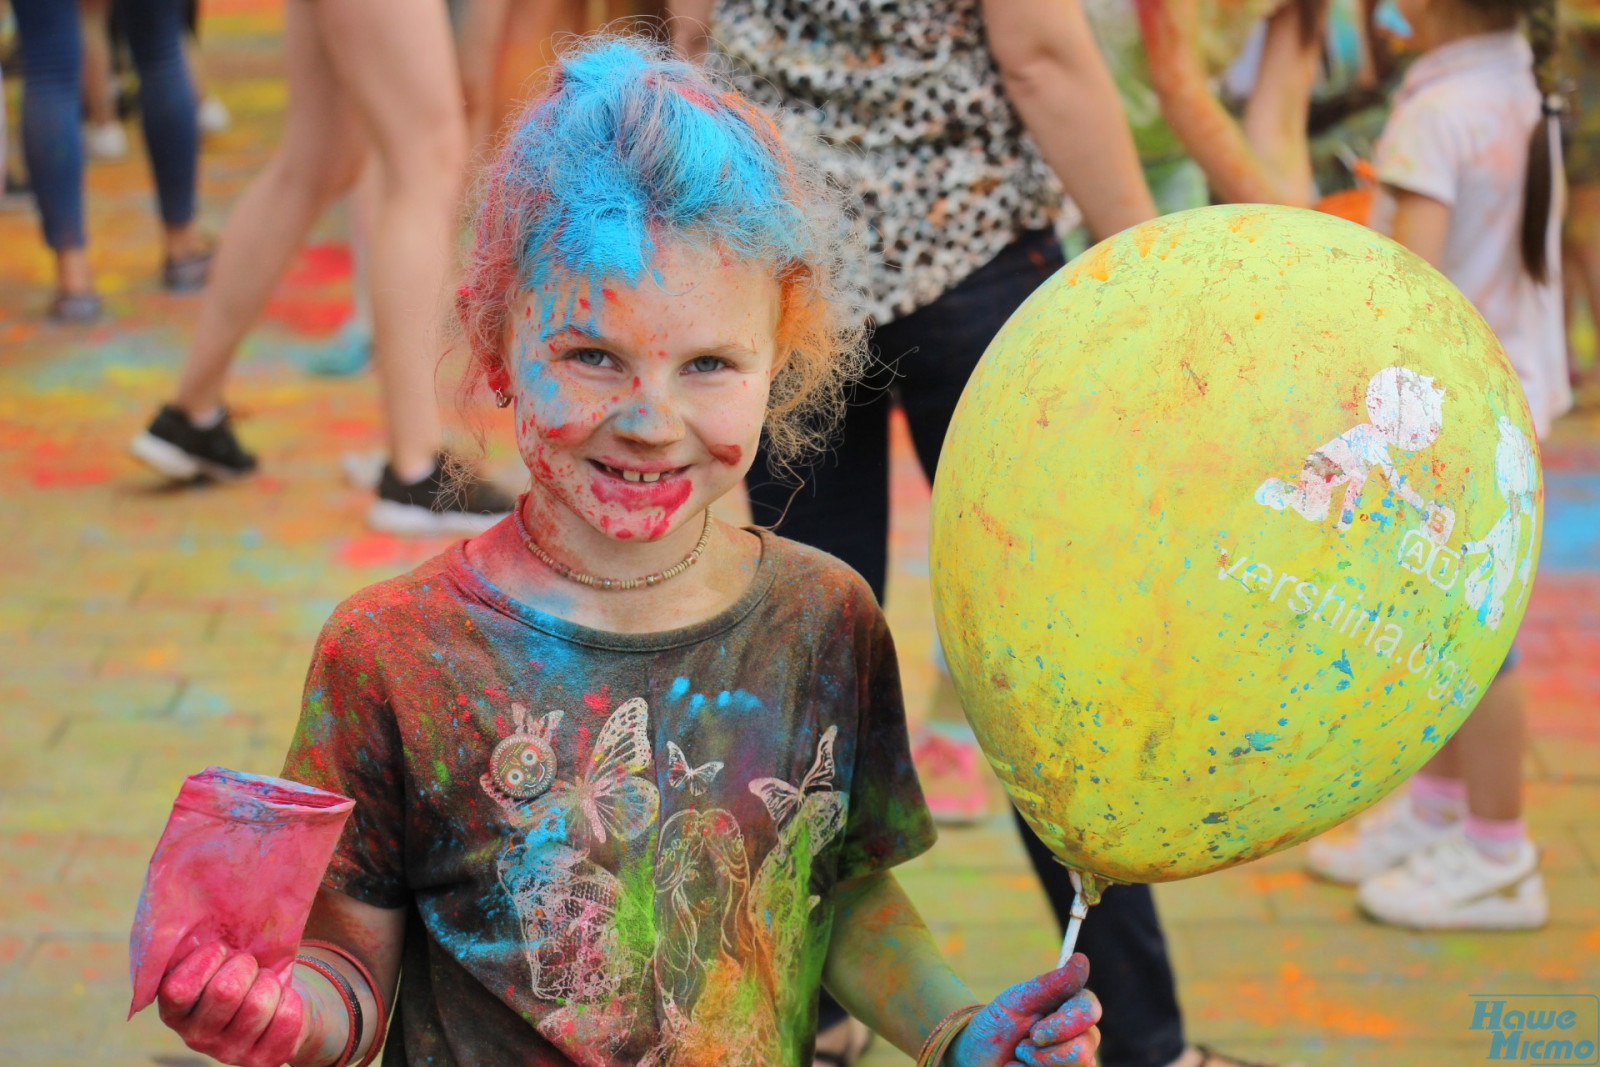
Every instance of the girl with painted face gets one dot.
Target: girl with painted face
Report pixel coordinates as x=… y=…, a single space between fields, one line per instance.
x=630 y=782
x=1469 y=164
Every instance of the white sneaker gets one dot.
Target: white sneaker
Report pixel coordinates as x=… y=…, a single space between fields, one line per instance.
x=1452 y=886
x=214 y=116
x=106 y=140
x=1383 y=838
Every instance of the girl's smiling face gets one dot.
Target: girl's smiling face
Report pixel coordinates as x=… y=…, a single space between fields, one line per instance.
x=649 y=407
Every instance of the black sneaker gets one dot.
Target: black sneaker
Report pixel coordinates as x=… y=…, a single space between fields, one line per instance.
x=181 y=450
x=438 y=504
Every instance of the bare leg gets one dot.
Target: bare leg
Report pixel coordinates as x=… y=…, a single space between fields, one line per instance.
x=1491 y=744
x=1487 y=751
x=364 y=202
x=533 y=34
x=1446 y=763
x=72 y=271
x=318 y=158
x=95 y=34
x=181 y=242
x=480 y=45
x=395 y=60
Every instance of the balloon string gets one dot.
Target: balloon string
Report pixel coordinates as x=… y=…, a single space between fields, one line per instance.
x=1079 y=912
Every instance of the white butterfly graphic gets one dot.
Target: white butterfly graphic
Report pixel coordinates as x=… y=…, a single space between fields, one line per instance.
x=609 y=796
x=821 y=809
x=680 y=774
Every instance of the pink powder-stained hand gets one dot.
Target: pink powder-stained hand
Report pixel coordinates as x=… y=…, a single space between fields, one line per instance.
x=1046 y=1022
x=225 y=1006
x=239 y=862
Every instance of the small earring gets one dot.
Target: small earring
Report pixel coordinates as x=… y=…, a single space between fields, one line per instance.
x=501 y=400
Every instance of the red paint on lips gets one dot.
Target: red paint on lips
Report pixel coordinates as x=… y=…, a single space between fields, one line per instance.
x=669 y=494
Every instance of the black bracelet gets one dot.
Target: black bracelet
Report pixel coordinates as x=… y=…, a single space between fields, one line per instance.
x=352 y=1003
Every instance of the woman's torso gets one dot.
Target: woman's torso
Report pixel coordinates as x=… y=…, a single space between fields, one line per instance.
x=900 y=103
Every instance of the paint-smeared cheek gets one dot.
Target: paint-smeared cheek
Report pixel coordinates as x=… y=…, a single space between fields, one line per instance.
x=556 y=413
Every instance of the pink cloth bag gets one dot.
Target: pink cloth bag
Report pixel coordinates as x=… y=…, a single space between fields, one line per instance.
x=239 y=862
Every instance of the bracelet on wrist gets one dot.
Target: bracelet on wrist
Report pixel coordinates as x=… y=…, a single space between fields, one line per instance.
x=381 y=1023
x=944 y=1034
x=347 y=994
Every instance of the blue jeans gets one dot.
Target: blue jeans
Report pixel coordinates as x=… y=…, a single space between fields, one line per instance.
x=52 y=142
x=843 y=508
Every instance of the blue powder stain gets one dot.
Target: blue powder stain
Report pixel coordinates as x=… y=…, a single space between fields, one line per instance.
x=1571 y=522
x=1343 y=663
x=1283 y=722
x=1344 y=683
x=1428 y=733
x=738 y=702
x=1261 y=742
x=696 y=702
x=679 y=688
x=1212 y=717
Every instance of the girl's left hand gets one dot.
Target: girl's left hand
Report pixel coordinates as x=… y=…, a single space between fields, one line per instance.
x=1047 y=1022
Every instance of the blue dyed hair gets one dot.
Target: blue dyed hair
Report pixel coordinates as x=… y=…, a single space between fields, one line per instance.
x=632 y=148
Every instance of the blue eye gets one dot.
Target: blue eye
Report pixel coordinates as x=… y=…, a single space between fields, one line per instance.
x=706 y=364
x=590 y=357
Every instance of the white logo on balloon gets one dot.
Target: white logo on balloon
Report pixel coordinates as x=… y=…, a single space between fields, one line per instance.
x=1506 y=557
x=1405 y=410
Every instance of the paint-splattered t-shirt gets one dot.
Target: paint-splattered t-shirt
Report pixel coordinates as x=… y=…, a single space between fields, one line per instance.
x=614 y=848
x=899 y=103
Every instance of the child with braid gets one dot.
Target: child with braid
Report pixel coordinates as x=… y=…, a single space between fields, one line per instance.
x=1469 y=165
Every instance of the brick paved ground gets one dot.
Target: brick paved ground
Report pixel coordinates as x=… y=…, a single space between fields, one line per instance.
x=145 y=633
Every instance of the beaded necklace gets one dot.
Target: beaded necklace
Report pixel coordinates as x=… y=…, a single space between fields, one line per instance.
x=613 y=584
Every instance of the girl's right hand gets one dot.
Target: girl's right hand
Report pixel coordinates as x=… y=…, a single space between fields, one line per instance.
x=225 y=1006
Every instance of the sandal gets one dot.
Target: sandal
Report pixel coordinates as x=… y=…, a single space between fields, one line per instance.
x=75 y=309
x=186 y=274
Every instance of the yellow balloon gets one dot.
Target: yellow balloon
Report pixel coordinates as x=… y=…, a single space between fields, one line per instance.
x=1236 y=520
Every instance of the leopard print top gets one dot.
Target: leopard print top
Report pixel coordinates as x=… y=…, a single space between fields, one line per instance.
x=901 y=102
